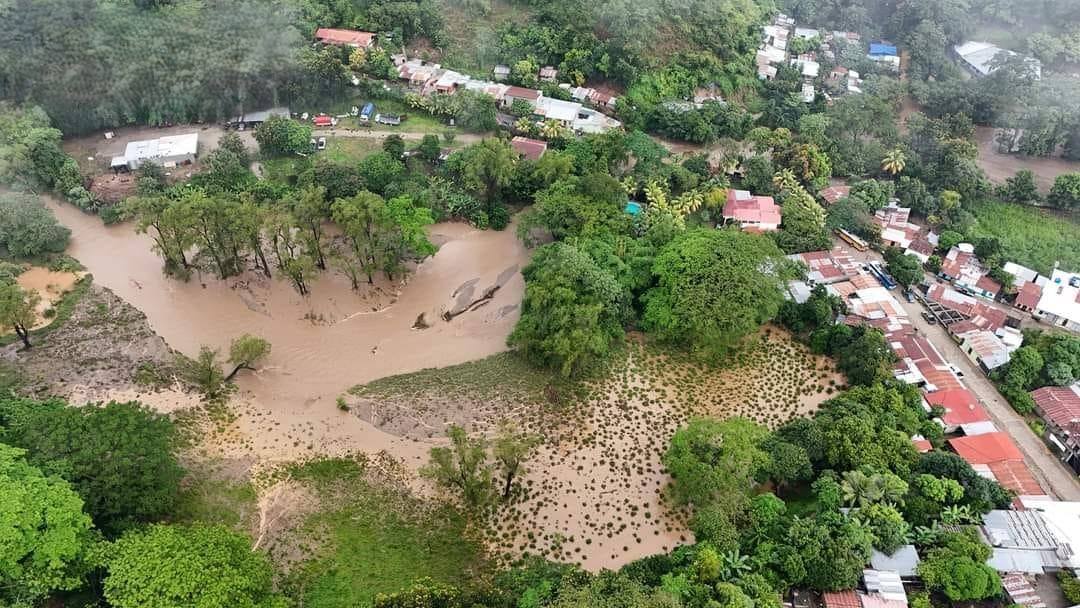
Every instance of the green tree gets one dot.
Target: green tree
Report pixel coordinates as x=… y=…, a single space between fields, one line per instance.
x=394 y=146
x=887 y=525
x=1020 y=188
x=486 y=168
x=958 y=569
x=572 y=311
x=904 y=268
x=18 y=310
x=1065 y=193
x=714 y=288
x=1023 y=368
x=829 y=552
x=280 y=136
x=119 y=457
x=204 y=371
x=716 y=462
x=510 y=450
x=803 y=223
x=27 y=228
x=462 y=467
x=182 y=566
x=379 y=170
x=244 y=351
x=48 y=542
x=429 y=147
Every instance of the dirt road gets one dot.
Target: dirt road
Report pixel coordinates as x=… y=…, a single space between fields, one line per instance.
x=467 y=138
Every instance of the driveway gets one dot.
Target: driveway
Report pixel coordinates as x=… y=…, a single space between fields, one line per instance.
x=1058 y=480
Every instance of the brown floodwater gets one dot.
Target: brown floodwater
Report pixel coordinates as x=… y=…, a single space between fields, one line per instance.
x=324 y=343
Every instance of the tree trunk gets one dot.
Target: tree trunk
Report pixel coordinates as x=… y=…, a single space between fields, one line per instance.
x=23 y=335
x=509 y=482
x=320 y=260
x=236 y=370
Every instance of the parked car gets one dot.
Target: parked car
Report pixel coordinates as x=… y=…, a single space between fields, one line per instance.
x=322 y=144
x=909 y=295
x=931 y=319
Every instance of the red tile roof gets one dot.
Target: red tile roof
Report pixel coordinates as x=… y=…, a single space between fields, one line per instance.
x=841 y=599
x=1016 y=476
x=1060 y=404
x=531 y=149
x=834 y=193
x=961 y=407
x=986 y=448
x=988 y=285
x=344 y=37
x=940 y=378
x=521 y=93
x=1029 y=295
x=755 y=210
x=922 y=246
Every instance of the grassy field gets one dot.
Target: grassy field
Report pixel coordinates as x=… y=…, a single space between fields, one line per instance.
x=374 y=538
x=1031 y=236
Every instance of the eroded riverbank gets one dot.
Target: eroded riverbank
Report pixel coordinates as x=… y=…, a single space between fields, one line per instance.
x=324 y=343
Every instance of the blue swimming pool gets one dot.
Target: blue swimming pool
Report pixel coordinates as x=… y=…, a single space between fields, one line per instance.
x=633 y=208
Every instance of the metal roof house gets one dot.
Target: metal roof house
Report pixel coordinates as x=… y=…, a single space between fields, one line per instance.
x=167 y=151
x=980 y=58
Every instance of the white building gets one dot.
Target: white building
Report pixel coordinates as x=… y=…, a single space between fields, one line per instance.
x=168 y=151
x=980 y=58
x=1060 y=301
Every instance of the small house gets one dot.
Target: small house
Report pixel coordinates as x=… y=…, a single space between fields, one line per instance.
x=169 y=151
x=529 y=149
x=500 y=72
x=529 y=96
x=350 y=38
x=1059 y=406
x=751 y=213
x=548 y=74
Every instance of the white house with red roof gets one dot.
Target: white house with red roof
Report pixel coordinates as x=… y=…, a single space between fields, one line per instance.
x=963 y=269
x=352 y=38
x=961 y=410
x=529 y=149
x=751 y=213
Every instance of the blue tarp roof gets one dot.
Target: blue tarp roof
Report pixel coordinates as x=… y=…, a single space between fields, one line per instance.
x=882 y=49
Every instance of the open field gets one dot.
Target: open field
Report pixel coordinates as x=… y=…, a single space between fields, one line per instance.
x=1031 y=236
x=594 y=491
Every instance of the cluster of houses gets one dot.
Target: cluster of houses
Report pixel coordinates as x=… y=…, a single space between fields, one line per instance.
x=774 y=51
x=426 y=78
x=967 y=306
x=1039 y=534
x=583 y=115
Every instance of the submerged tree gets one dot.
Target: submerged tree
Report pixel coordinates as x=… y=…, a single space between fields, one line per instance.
x=244 y=352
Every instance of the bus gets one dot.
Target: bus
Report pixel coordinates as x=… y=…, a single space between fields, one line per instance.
x=855 y=242
x=365 y=114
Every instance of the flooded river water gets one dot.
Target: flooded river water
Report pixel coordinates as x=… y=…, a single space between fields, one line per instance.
x=327 y=342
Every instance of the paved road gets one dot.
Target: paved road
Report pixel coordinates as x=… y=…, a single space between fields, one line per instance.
x=1055 y=477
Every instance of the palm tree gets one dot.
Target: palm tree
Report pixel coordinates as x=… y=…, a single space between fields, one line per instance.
x=551 y=130
x=860 y=489
x=894 y=162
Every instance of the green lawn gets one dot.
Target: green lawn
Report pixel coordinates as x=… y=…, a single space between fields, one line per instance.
x=378 y=539
x=1031 y=236
x=350 y=149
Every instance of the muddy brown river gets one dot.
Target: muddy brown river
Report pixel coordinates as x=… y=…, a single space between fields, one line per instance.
x=331 y=340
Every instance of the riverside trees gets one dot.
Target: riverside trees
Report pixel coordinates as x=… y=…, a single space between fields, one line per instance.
x=195 y=228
